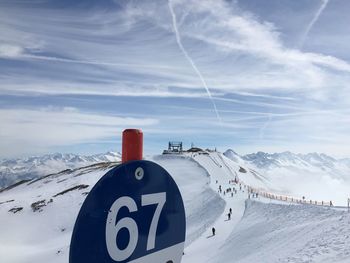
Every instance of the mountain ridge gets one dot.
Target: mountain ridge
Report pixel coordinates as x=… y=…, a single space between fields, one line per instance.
x=18 y=169
x=264 y=160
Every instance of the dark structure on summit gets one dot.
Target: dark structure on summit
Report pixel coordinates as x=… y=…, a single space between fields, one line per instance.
x=174 y=148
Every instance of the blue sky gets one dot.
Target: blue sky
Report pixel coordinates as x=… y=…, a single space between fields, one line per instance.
x=74 y=74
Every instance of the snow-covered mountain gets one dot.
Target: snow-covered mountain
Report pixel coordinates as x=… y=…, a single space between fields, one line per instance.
x=319 y=160
x=313 y=175
x=51 y=204
x=260 y=230
x=15 y=170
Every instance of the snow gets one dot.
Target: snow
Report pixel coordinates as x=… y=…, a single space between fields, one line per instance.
x=315 y=176
x=14 y=170
x=45 y=235
x=205 y=247
x=260 y=230
x=199 y=198
x=39 y=236
x=288 y=233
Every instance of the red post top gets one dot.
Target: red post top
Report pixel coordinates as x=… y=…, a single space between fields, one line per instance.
x=132 y=146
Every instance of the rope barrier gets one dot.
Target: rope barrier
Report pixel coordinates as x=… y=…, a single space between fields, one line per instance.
x=285 y=198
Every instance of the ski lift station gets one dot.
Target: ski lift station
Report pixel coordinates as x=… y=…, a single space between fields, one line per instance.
x=174 y=148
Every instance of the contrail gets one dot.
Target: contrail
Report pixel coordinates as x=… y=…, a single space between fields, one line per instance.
x=262 y=129
x=183 y=50
x=89 y=62
x=313 y=21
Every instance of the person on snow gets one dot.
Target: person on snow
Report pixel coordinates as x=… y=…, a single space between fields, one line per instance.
x=230 y=210
x=213 y=231
x=229 y=216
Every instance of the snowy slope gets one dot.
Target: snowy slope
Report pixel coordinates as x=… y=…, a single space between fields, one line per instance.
x=267 y=230
x=199 y=198
x=37 y=217
x=14 y=170
x=41 y=231
x=244 y=170
x=258 y=231
x=204 y=248
x=288 y=233
x=315 y=176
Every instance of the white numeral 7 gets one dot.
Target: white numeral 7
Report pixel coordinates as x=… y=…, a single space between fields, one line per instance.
x=152 y=199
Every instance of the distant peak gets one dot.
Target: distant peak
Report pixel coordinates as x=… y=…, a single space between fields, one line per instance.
x=230 y=151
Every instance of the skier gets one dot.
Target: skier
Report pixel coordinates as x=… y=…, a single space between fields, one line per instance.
x=230 y=210
x=229 y=216
x=213 y=230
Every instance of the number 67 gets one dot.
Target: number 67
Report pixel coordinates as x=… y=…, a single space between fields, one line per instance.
x=112 y=229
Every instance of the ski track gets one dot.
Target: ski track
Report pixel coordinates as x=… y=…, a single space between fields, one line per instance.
x=204 y=249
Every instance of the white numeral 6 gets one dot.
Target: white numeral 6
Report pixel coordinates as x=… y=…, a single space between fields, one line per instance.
x=113 y=228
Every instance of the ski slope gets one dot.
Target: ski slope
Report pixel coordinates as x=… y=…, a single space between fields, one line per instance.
x=313 y=175
x=260 y=230
x=271 y=232
x=263 y=230
x=41 y=230
x=205 y=247
x=199 y=197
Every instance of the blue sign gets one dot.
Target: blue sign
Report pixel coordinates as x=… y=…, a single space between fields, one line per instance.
x=134 y=213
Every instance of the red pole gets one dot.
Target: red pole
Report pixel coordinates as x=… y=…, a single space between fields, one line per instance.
x=132 y=146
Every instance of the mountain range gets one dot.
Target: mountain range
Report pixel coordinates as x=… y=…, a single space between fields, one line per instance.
x=287 y=172
x=37 y=217
x=270 y=161
x=15 y=170
x=313 y=175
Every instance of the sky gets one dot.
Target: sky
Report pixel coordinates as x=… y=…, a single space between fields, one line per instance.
x=249 y=75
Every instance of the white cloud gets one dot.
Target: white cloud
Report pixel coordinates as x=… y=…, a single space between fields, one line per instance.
x=28 y=131
x=10 y=51
x=133 y=52
x=151 y=51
